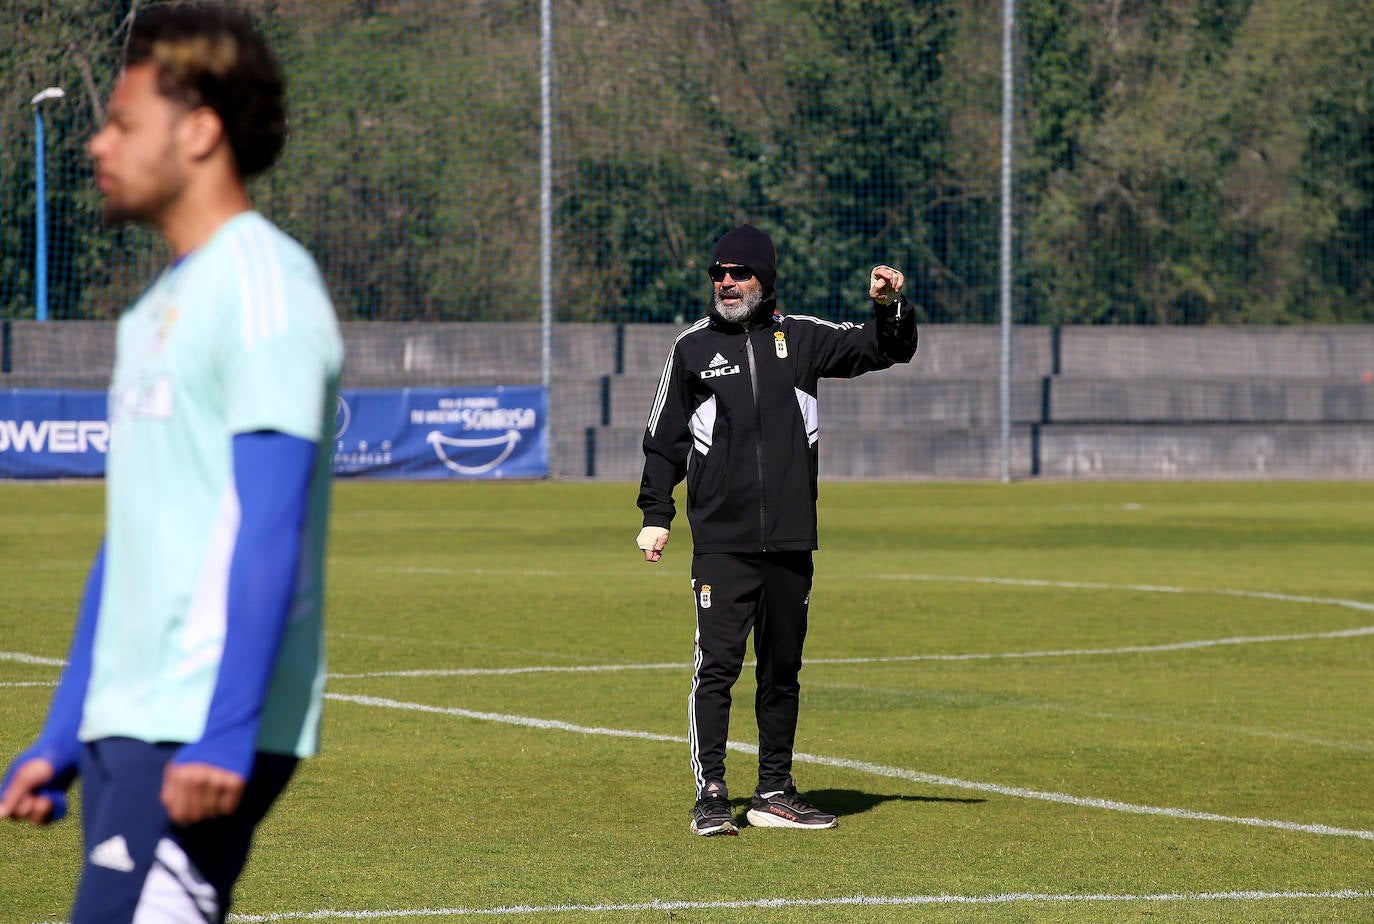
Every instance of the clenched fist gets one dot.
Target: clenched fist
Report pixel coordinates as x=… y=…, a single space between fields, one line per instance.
x=885 y=284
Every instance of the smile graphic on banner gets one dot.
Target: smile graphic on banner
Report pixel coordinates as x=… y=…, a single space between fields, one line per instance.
x=443 y=445
x=485 y=433
x=342 y=418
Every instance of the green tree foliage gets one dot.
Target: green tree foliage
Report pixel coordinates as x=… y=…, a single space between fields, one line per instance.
x=1336 y=178
x=860 y=175
x=1191 y=197
x=64 y=45
x=1184 y=161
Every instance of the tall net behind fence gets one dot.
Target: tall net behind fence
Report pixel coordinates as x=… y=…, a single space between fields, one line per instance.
x=1187 y=164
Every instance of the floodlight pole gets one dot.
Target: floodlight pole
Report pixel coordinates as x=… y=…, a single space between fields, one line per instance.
x=546 y=186
x=40 y=229
x=1007 y=275
x=546 y=218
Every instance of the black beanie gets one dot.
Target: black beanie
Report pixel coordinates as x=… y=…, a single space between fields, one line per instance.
x=748 y=246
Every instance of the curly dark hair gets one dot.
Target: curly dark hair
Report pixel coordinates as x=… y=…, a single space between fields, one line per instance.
x=210 y=54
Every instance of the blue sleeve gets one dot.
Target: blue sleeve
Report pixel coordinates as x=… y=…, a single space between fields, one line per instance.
x=272 y=474
x=57 y=743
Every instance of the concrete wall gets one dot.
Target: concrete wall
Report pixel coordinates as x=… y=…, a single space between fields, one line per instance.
x=1235 y=399
x=393 y=355
x=1119 y=402
x=56 y=354
x=1108 y=451
x=1318 y=351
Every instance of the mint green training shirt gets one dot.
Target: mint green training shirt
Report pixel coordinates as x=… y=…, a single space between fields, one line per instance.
x=238 y=336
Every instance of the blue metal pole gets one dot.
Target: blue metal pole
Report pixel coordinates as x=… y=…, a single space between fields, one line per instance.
x=40 y=269
x=40 y=257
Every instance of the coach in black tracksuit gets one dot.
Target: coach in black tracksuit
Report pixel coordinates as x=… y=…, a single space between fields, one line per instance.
x=735 y=414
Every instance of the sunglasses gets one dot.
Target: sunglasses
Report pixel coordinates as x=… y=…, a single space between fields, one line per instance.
x=737 y=273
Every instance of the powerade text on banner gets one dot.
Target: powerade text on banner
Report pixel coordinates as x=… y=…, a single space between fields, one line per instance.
x=432 y=433
x=53 y=434
x=443 y=433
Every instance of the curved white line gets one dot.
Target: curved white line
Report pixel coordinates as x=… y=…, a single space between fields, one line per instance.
x=951 y=578
x=888 y=659
x=1195 y=644
x=1143 y=588
x=1126 y=649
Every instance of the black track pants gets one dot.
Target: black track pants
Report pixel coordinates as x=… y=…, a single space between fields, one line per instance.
x=767 y=594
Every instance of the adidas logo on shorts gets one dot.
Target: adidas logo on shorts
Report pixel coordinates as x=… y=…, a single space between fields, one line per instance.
x=113 y=854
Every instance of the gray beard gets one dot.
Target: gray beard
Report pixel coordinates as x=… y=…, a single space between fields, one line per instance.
x=743 y=311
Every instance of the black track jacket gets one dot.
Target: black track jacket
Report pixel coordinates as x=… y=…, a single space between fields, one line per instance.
x=735 y=413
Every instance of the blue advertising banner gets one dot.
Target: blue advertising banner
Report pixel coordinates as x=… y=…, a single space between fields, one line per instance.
x=489 y=433
x=433 y=433
x=53 y=434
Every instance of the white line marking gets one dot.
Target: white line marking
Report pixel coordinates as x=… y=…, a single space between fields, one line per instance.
x=1127 y=649
x=1143 y=588
x=526 y=721
x=660 y=905
x=889 y=659
x=505 y=671
x=1110 y=805
x=915 y=776
x=1357 y=632
x=30 y=659
x=1194 y=644
x=29 y=683
x=499 y=572
x=937 y=578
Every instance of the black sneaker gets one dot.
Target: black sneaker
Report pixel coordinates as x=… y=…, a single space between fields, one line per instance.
x=711 y=815
x=786 y=808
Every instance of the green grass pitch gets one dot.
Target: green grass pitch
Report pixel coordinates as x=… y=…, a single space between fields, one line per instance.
x=1038 y=702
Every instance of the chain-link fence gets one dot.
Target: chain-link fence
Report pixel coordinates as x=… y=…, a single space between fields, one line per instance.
x=1181 y=163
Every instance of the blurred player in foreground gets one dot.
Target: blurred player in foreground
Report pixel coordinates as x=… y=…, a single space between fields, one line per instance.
x=735 y=414
x=196 y=671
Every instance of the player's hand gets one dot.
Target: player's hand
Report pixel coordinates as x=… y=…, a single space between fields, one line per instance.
x=885 y=284
x=193 y=792
x=651 y=541
x=22 y=798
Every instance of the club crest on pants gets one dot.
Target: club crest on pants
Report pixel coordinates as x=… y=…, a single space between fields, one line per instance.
x=705 y=596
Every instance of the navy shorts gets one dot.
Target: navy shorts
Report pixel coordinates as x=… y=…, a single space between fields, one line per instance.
x=138 y=865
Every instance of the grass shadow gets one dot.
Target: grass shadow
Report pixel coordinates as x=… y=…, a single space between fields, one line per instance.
x=855 y=802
